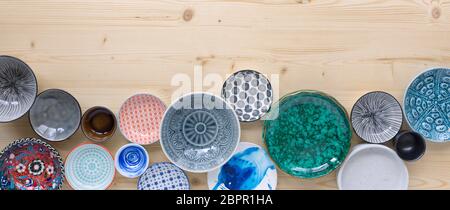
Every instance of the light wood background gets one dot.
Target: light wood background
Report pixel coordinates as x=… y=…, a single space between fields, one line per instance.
x=103 y=51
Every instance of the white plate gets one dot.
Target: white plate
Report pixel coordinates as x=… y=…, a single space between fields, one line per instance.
x=373 y=167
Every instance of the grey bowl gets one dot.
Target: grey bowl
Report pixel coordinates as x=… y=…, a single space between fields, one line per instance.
x=18 y=88
x=199 y=132
x=249 y=93
x=55 y=115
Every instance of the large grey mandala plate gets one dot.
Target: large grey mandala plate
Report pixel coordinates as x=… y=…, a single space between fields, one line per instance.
x=427 y=104
x=199 y=132
x=249 y=93
x=18 y=88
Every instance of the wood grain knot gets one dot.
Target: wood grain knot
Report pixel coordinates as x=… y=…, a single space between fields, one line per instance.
x=436 y=12
x=188 y=15
x=303 y=1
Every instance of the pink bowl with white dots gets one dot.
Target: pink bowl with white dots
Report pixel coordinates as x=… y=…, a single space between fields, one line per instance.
x=140 y=118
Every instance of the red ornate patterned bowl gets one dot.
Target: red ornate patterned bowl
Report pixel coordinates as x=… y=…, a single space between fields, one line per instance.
x=140 y=118
x=30 y=164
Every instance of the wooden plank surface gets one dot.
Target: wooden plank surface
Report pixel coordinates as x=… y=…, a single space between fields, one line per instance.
x=103 y=51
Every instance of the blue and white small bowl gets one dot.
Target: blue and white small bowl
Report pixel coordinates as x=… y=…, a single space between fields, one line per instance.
x=163 y=176
x=131 y=160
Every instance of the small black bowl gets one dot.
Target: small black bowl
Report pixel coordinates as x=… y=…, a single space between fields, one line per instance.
x=410 y=146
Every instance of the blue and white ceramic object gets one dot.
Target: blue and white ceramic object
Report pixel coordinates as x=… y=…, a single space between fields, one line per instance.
x=131 y=160
x=250 y=168
x=55 y=115
x=163 y=176
x=18 y=88
x=90 y=167
x=427 y=104
x=199 y=132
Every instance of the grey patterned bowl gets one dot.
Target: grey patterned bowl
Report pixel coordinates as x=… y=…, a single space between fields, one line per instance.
x=55 y=115
x=18 y=88
x=199 y=132
x=377 y=117
x=249 y=93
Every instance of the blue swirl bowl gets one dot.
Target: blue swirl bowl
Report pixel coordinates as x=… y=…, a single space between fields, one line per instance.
x=131 y=160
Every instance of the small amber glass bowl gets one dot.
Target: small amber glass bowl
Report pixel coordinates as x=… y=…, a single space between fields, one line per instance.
x=99 y=124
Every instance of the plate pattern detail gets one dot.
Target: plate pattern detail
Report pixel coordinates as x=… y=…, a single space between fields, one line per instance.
x=427 y=104
x=30 y=164
x=249 y=93
x=377 y=117
x=200 y=139
x=163 y=176
x=18 y=88
x=140 y=117
x=90 y=167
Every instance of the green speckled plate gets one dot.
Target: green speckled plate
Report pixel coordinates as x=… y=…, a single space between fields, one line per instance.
x=309 y=134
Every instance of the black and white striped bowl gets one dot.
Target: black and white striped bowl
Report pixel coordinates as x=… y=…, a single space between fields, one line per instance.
x=377 y=117
x=18 y=88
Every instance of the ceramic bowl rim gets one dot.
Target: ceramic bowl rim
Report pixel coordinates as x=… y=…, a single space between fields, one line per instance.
x=270 y=105
x=35 y=84
x=423 y=140
x=264 y=129
x=116 y=159
x=371 y=92
x=48 y=146
x=83 y=129
x=79 y=120
x=250 y=144
x=120 y=111
x=88 y=143
x=226 y=159
x=364 y=146
x=404 y=101
x=160 y=163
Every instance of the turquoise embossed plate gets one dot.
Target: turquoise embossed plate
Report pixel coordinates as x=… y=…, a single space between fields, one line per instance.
x=89 y=167
x=311 y=135
x=427 y=104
